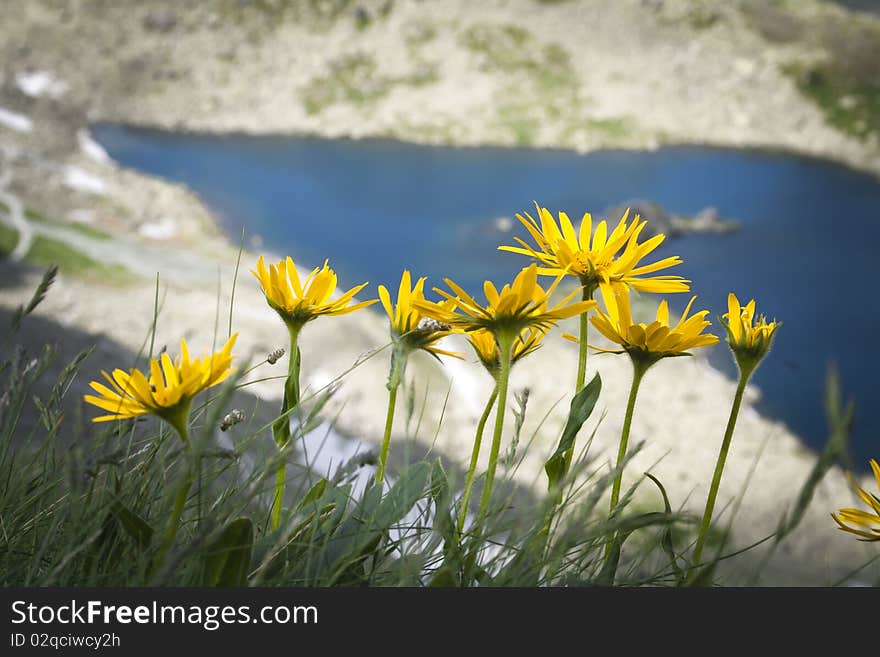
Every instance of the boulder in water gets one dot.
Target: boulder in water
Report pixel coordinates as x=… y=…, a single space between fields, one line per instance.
x=708 y=220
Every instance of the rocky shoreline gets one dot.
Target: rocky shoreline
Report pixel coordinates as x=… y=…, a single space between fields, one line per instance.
x=506 y=72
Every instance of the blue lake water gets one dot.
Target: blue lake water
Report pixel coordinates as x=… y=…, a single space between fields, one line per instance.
x=867 y=6
x=806 y=248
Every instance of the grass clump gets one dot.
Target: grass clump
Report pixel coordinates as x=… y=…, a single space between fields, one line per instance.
x=847 y=84
x=352 y=79
x=8 y=239
x=521 y=121
x=82 y=228
x=612 y=127
x=150 y=496
x=703 y=18
x=849 y=104
x=355 y=79
x=513 y=50
x=539 y=72
x=94 y=513
x=46 y=251
x=844 y=79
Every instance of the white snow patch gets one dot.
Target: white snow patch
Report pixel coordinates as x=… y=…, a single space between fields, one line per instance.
x=82 y=216
x=467 y=386
x=40 y=83
x=90 y=147
x=163 y=229
x=83 y=181
x=326 y=450
x=16 y=121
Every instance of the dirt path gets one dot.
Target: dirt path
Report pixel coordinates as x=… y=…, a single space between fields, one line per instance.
x=15 y=216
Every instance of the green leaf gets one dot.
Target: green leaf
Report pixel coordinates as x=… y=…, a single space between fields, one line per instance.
x=105 y=548
x=443 y=577
x=581 y=408
x=362 y=532
x=408 y=489
x=666 y=537
x=702 y=576
x=439 y=483
x=229 y=554
x=444 y=519
x=133 y=524
x=840 y=420
x=314 y=494
x=625 y=527
x=629 y=524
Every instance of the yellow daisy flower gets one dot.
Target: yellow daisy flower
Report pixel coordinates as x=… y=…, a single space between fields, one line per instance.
x=516 y=308
x=299 y=302
x=595 y=257
x=409 y=326
x=511 y=310
x=745 y=333
x=657 y=339
x=485 y=346
x=168 y=390
x=411 y=330
x=864 y=524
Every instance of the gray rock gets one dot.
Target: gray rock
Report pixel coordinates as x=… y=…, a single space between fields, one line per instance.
x=658 y=219
x=708 y=220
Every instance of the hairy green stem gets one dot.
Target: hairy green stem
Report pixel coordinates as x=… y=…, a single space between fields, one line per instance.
x=475 y=454
x=639 y=369
x=386 y=439
x=586 y=295
x=281 y=428
x=180 y=497
x=719 y=466
x=176 y=513
x=582 y=350
x=505 y=344
x=398 y=367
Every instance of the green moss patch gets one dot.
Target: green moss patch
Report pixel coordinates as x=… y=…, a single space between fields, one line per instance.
x=8 y=240
x=539 y=80
x=844 y=81
x=848 y=104
x=355 y=79
x=84 y=229
x=46 y=251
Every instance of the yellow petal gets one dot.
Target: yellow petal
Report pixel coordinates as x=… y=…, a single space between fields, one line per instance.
x=491 y=293
x=386 y=302
x=599 y=236
x=568 y=233
x=733 y=316
x=586 y=231
x=610 y=300
x=663 y=313
x=403 y=293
